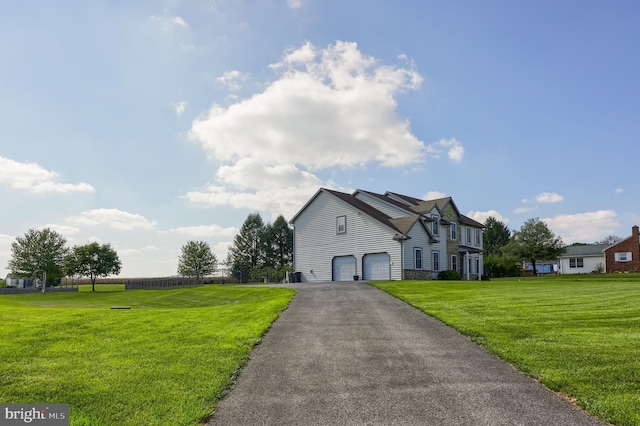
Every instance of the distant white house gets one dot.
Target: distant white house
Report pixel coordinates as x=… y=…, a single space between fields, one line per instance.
x=18 y=282
x=582 y=259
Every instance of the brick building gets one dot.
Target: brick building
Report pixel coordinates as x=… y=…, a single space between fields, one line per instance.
x=625 y=255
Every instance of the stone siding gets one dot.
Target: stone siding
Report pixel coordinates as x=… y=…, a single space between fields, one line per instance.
x=413 y=274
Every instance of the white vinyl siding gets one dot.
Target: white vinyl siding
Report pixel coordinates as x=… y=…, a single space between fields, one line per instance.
x=589 y=263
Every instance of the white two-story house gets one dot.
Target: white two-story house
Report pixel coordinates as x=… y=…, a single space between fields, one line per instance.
x=364 y=235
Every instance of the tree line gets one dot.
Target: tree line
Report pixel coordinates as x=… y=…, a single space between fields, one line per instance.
x=260 y=250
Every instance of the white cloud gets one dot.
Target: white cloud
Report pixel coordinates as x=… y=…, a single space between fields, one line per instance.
x=168 y=22
x=114 y=218
x=549 y=197
x=481 y=217
x=330 y=107
x=619 y=191
x=584 y=227
x=205 y=231
x=294 y=4
x=35 y=179
x=432 y=195
x=180 y=107
x=232 y=79
x=455 y=150
x=521 y=210
x=63 y=229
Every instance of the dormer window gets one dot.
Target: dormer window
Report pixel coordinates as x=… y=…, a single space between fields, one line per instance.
x=436 y=225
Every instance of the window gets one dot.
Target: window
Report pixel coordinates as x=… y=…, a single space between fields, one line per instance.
x=436 y=261
x=468 y=235
x=576 y=262
x=454 y=262
x=341 y=225
x=478 y=237
x=418 y=257
x=623 y=256
x=454 y=231
x=436 y=225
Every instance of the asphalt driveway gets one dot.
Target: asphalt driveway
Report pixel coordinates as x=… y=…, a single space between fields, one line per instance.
x=349 y=354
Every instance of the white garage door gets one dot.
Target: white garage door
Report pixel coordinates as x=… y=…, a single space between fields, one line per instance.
x=376 y=267
x=344 y=268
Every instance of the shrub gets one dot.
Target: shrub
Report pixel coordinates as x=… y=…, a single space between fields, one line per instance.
x=449 y=275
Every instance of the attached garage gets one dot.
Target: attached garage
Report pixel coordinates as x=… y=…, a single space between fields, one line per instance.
x=343 y=268
x=376 y=266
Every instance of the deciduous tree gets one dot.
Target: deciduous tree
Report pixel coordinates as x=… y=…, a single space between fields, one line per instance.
x=535 y=241
x=609 y=240
x=197 y=260
x=93 y=260
x=41 y=250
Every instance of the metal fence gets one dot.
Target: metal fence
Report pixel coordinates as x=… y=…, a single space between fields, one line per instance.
x=163 y=283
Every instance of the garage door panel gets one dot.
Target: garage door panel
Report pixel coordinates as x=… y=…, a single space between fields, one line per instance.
x=344 y=268
x=375 y=266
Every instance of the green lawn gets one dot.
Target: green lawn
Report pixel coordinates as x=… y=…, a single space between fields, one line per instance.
x=166 y=361
x=578 y=335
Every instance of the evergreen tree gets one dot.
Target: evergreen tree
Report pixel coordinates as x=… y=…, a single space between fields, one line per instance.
x=247 y=251
x=496 y=236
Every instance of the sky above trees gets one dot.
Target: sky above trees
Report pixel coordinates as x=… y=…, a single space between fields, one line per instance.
x=147 y=124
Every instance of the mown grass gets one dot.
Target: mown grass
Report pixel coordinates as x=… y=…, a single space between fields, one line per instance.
x=577 y=335
x=166 y=361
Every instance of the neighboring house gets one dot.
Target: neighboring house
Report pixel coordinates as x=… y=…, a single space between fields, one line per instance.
x=582 y=259
x=625 y=255
x=364 y=235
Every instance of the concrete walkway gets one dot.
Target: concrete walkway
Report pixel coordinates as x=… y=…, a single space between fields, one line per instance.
x=349 y=354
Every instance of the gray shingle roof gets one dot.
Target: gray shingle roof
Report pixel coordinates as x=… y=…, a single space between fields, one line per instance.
x=585 y=250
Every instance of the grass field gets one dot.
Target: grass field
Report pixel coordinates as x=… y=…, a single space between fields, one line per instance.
x=577 y=335
x=166 y=361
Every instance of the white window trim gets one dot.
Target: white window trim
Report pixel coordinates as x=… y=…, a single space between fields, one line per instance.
x=343 y=224
x=415 y=258
x=628 y=256
x=454 y=263
x=436 y=225
x=454 y=231
x=436 y=263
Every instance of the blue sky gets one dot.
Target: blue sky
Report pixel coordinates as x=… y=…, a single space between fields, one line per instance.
x=150 y=123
